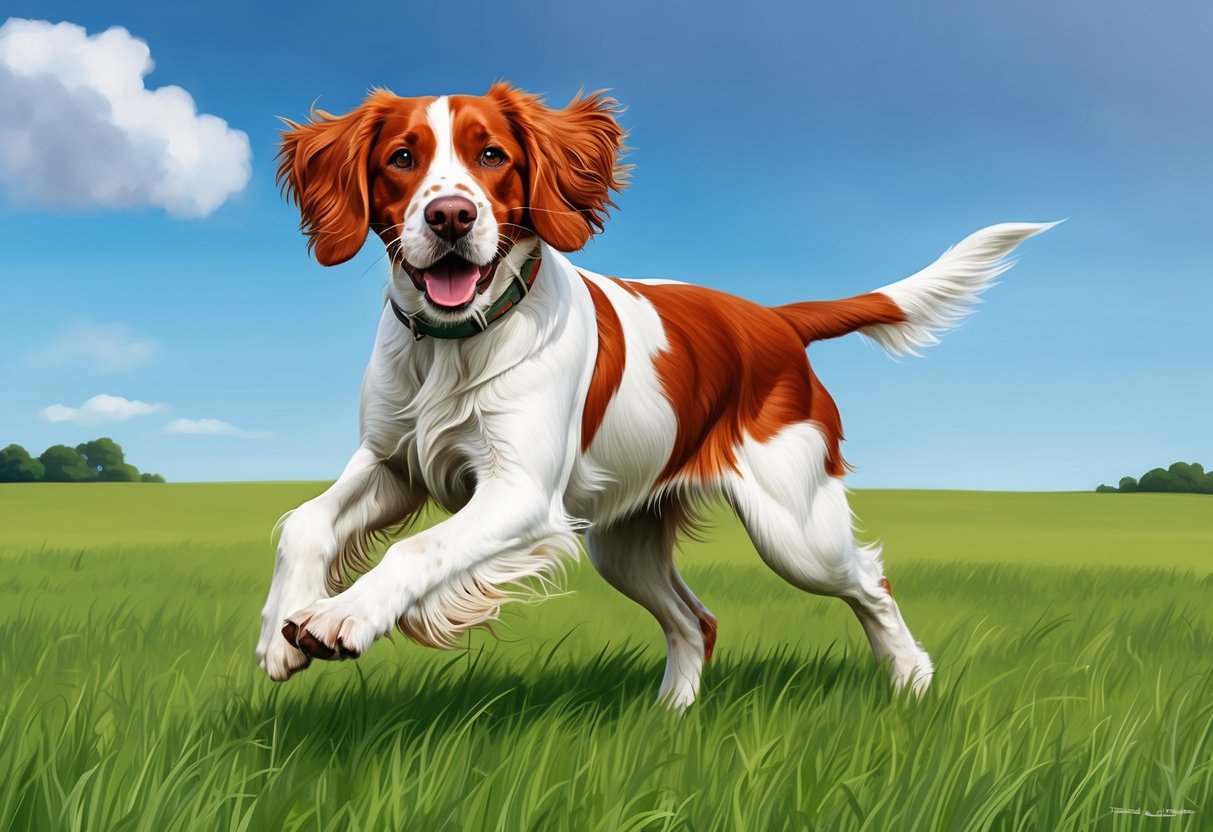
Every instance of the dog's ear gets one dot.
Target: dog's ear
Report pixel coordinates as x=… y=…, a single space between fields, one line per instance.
x=572 y=162
x=322 y=167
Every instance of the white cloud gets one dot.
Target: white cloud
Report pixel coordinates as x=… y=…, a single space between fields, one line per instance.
x=102 y=408
x=78 y=127
x=108 y=348
x=212 y=427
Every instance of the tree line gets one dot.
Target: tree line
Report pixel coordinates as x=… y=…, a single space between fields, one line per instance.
x=101 y=460
x=1180 y=478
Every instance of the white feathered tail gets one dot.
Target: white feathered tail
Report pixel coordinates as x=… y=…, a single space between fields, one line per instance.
x=940 y=296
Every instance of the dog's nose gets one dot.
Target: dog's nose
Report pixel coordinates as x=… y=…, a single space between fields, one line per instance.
x=450 y=217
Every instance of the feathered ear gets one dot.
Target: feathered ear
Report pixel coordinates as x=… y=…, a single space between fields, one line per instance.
x=572 y=162
x=322 y=167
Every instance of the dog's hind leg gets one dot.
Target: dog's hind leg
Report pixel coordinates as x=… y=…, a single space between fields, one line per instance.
x=800 y=522
x=365 y=498
x=635 y=555
x=707 y=621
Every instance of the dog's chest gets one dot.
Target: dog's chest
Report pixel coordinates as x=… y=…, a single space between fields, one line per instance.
x=437 y=426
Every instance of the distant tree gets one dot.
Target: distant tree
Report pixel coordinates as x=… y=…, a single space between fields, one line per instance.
x=99 y=460
x=118 y=472
x=1159 y=480
x=107 y=460
x=64 y=464
x=1179 y=478
x=1153 y=480
x=16 y=465
x=1191 y=477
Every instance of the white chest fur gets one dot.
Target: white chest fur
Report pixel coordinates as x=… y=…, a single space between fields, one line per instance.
x=457 y=412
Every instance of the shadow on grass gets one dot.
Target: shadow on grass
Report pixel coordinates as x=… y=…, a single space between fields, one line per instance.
x=617 y=685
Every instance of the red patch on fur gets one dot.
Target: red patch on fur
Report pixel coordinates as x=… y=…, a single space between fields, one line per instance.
x=608 y=365
x=707 y=626
x=817 y=320
x=571 y=161
x=884 y=582
x=733 y=369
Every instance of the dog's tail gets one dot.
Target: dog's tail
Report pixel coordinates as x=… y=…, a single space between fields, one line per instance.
x=912 y=313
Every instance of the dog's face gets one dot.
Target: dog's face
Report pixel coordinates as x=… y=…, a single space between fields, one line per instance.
x=452 y=184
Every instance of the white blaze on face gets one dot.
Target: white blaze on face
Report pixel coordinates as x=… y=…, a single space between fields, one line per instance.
x=447 y=176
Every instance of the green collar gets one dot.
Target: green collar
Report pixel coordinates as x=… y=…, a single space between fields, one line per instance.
x=518 y=288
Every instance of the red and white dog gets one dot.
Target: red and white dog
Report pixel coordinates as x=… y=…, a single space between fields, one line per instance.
x=537 y=401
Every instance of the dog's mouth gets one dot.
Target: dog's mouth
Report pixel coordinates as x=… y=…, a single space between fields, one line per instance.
x=452 y=283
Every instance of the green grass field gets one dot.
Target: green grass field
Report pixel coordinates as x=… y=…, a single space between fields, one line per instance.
x=1072 y=633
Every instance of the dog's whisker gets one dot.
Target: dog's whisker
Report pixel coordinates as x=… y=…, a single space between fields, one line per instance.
x=372 y=265
x=533 y=210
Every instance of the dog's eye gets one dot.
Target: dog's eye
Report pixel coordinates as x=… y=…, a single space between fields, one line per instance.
x=492 y=157
x=401 y=159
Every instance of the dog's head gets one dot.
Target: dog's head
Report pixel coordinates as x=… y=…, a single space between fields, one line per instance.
x=451 y=184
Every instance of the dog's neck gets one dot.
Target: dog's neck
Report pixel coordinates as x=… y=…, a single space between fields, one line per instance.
x=511 y=282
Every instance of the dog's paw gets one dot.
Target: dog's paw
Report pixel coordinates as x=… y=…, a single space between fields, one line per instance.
x=277 y=658
x=329 y=629
x=914 y=671
x=280 y=660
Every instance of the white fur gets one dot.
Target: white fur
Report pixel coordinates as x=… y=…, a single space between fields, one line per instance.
x=366 y=496
x=637 y=434
x=801 y=524
x=937 y=298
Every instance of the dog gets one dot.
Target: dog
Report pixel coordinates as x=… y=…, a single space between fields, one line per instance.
x=540 y=403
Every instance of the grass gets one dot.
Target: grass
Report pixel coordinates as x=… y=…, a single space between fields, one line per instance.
x=1072 y=634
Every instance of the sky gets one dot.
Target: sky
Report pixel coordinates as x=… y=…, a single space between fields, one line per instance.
x=155 y=288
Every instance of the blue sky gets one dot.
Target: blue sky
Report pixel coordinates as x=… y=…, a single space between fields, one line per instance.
x=880 y=133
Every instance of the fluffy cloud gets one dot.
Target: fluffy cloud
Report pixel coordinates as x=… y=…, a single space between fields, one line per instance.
x=212 y=427
x=107 y=348
x=78 y=127
x=103 y=408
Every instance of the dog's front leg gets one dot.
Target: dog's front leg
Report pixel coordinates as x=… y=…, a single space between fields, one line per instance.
x=366 y=497
x=506 y=532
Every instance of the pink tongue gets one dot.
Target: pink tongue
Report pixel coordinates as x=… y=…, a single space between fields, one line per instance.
x=451 y=282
